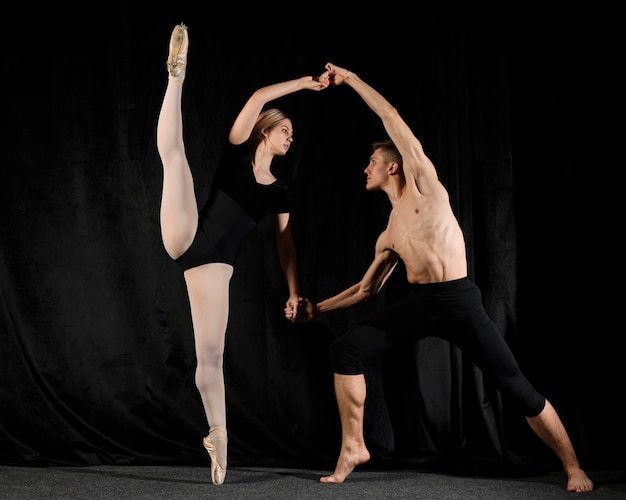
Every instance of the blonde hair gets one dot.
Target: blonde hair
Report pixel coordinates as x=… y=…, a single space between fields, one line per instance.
x=266 y=121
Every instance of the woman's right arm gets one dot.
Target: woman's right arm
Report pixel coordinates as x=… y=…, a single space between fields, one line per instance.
x=244 y=123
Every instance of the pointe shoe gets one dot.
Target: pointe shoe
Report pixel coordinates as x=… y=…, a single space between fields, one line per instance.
x=216 y=439
x=177 y=59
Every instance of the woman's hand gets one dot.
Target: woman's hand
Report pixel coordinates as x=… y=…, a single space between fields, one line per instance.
x=303 y=310
x=316 y=83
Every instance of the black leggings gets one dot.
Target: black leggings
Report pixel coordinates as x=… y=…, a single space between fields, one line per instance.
x=453 y=311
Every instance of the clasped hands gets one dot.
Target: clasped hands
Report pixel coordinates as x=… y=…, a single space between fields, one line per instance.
x=301 y=311
x=334 y=75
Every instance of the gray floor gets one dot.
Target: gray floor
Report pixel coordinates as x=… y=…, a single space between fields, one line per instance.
x=247 y=483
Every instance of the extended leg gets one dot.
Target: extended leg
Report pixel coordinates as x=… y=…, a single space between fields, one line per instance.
x=179 y=211
x=548 y=426
x=350 y=391
x=492 y=353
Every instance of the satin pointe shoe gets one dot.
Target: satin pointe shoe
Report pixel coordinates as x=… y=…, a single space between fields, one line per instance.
x=177 y=58
x=216 y=440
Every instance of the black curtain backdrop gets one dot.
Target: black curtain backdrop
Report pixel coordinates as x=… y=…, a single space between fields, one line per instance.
x=521 y=110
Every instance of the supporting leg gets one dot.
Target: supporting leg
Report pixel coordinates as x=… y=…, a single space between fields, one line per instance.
x=350 y=391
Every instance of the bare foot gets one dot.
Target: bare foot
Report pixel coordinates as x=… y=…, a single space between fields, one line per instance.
x=579 y=482
x=345 y=465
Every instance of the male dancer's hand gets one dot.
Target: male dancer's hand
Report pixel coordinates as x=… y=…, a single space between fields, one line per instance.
x=305 y=311
x=336 y=75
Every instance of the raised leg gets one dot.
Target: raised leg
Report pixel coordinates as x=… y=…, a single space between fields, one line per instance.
x=179 y=210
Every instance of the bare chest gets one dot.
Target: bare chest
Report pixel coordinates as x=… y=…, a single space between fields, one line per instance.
x=408 y=223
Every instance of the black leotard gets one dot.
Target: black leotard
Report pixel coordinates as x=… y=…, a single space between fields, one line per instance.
x=236 y=204
x=452 y=310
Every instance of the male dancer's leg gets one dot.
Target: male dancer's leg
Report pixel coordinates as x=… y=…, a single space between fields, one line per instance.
x=350 y=391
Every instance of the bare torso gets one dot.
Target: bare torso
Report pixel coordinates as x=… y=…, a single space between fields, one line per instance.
x=424 y=232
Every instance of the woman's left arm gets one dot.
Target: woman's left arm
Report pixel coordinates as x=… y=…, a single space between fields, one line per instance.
x=287 y=255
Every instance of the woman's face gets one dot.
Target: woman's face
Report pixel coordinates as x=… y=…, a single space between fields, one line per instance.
x=280 y=137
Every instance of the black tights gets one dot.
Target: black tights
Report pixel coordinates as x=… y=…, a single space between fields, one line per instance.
x=453 y=311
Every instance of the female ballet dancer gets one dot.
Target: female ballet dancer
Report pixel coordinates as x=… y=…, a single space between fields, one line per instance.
x=205 y=243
